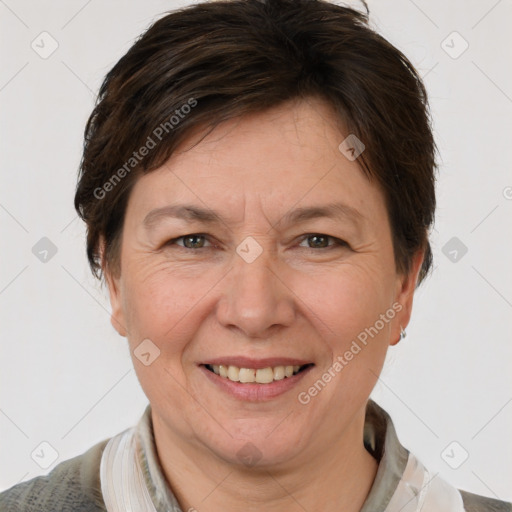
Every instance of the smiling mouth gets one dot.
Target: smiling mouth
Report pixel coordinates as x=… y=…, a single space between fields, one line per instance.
x=259 y=376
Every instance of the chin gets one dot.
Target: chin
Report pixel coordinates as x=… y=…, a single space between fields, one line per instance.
x=259 y=448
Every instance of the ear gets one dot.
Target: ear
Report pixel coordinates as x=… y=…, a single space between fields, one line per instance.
x=117 y=317
x=404 y=294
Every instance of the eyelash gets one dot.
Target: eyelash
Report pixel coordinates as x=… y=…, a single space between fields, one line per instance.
x=337 y=241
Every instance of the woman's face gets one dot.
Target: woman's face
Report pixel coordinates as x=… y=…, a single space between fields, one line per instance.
x=290 y=264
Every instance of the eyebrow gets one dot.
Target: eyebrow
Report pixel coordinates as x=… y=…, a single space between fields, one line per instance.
x=192 y=213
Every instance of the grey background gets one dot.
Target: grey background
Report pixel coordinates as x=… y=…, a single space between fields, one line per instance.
x=66 y=377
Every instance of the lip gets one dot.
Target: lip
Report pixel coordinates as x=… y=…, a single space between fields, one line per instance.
x=254 y=392
x=247 y=362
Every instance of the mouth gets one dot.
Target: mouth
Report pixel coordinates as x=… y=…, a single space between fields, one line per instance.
x=253 y=380
x=265 y=375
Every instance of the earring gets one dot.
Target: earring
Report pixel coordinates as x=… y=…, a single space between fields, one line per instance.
x=403 y=334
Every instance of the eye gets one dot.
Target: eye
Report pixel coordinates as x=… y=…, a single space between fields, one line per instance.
x=320 y=241
x=314 y=240
x=192 y=241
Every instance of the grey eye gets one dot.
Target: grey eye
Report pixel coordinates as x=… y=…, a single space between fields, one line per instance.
x=192 y=241
x=320 y=241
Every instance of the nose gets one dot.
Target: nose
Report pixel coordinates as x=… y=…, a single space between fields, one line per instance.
x=256 y=299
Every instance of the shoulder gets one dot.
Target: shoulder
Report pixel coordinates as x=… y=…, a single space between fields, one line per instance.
x=476 y=503
x=72 y=486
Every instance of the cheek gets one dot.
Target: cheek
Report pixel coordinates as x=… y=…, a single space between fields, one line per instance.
x=349 y=305
x=168 y=306
x=345 y=301
x=164 y=310
x=346 y=308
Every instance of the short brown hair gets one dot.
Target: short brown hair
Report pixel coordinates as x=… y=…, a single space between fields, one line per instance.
x=210 y=62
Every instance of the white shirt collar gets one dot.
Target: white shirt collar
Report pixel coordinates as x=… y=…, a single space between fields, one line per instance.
x=132 y=478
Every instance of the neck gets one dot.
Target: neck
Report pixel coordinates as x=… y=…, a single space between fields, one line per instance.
x=336 y=478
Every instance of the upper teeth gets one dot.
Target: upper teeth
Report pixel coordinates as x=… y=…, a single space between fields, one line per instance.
x=260 y=375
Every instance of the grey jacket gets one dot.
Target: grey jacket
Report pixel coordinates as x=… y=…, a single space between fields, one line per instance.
x=75 y=485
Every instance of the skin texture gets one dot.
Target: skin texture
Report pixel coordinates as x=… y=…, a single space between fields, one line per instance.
x=296 y=299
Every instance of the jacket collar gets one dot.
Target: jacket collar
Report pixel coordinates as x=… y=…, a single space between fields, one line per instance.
x=131 y=474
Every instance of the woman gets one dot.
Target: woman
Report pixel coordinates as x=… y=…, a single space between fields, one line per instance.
x=258 y=187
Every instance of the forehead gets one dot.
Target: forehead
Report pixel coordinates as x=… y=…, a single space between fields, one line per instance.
x=283 y=158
